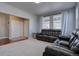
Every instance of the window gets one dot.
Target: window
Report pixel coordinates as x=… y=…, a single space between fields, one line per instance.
x=55 y=23
x=45 y=22
x=57 y=20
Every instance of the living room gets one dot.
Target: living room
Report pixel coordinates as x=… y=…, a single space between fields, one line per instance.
x=42 y=28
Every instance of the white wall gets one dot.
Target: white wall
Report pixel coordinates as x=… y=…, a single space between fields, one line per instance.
x=39 y=23
x=5 y=8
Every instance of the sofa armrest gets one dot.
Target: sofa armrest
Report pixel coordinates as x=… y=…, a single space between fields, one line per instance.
x=61 y=43
x=66 y=38
x=38 y=33
x=64 y=43
x=58 y=51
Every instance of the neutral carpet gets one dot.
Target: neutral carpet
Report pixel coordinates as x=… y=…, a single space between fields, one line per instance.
x=30 y=47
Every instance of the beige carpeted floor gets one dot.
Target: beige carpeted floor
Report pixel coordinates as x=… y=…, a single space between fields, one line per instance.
x=30 y=47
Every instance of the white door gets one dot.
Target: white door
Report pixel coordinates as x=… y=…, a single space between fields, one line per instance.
x=15 y=27
x=4 y=31
x=26 y=28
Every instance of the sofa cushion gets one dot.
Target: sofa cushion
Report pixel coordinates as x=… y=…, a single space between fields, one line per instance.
x=73 y=38
x=44 y=33
x=51 y=32
x=56 y=34
x=51 y=37
x=64 y=43
x=75 y=46
x=42 y=36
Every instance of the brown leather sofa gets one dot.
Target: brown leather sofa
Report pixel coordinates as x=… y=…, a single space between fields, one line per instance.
x=48 y=35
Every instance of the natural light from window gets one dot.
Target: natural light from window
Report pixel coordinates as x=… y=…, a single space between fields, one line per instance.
x=57 y=21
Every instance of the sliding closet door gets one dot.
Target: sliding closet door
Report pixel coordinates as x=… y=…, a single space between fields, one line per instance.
x=26 y=27
x=15 y=27
x=4 y=31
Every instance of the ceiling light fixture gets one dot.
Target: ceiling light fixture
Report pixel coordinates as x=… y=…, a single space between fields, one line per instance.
x=37 y=2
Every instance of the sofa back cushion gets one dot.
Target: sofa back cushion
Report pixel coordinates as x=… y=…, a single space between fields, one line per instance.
x=51 y=32
x=75 y=46
x=47 y=32
x=73 y=38
x=75 y=43
x=56 y=32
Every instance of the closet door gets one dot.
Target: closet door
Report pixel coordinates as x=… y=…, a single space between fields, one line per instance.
x=4 y=31
x=16 y=27
x=26 y=28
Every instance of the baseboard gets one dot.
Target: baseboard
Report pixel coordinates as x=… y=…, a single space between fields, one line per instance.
x=20 y=38
x=4 y=41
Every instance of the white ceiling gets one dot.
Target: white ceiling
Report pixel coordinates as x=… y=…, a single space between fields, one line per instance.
x=43 y=8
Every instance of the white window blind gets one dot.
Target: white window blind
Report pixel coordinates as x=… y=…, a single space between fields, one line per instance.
x=45 y=22
x=57 y=21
